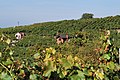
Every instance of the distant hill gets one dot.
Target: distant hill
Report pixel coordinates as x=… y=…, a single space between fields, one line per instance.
x=70 y=26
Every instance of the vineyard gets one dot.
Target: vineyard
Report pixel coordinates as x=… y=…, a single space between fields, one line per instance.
x=90 y=54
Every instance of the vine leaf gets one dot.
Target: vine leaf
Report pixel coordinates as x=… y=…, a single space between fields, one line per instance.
x=111 y=65
x=71 y=60
x=11 y=52
x=81 y=75
x=37 y=56
x=5 y=76
x=65 y=63
x=99 y=75
x=8 y=62
x=106 y=56
x=8 y=41
x=50 y=67
x=33 y=77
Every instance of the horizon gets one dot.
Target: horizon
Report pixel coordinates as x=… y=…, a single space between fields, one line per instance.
x=14 y=13
x=18 y=23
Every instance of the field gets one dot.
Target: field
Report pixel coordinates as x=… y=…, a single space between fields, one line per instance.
x=90 y=54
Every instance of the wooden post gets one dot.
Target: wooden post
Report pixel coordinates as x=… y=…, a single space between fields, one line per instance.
x=119 y=56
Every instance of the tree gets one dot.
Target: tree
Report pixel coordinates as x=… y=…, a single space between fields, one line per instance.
x=87 y=16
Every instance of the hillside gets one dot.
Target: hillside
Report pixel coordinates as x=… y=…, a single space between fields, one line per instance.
x=68 y=25
x=87 y=50
x=41 y=35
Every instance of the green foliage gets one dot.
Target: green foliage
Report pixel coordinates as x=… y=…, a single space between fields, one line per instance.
x=87 y=16
x=91 y=53
x=5 y=76
x=54 y=65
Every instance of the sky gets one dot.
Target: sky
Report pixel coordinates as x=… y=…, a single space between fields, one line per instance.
x=26 y=12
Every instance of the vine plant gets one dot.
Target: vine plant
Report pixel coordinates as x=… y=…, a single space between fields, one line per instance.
x=52 y=65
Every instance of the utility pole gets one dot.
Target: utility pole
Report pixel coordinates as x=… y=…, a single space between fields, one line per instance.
x=18 y=23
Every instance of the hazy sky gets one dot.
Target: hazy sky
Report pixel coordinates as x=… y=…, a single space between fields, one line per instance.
x=34 y=11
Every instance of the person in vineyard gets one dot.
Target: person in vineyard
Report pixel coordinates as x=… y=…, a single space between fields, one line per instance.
x=19 y=35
